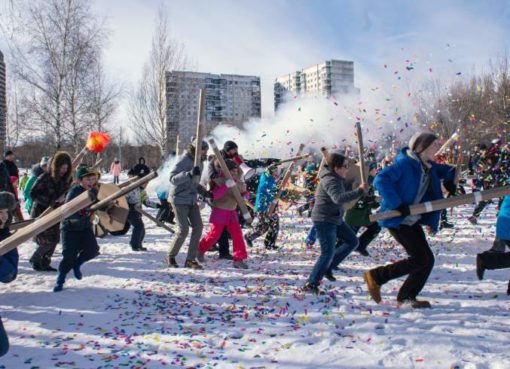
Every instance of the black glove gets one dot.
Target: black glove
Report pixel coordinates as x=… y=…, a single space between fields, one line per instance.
x=404 y=210
x=195 y=171
x=450 y=187
x=158 y=206
x=208 y=195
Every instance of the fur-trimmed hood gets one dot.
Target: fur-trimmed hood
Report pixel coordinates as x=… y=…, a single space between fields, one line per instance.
x=60 y=158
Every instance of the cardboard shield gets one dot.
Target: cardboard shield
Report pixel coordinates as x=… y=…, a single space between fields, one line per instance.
x=115 y=219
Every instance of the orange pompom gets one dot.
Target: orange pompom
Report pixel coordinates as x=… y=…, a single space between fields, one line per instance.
x=97 y=141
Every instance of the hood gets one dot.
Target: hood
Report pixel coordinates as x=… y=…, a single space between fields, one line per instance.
x=37 y=170
x=60 y=158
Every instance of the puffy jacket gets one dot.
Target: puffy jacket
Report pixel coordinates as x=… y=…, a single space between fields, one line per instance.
x=183 y=191
x=330 y=197
x=36 y=172
x=266 y=192
x=8 y=261
x=398 y=184
x=503 y=221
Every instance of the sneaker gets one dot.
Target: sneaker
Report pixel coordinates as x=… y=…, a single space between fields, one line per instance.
x=171 y=262
x=329 y=276
x=58 y=287
x=480 y=267
x=239 y=264
x=472 y=219
x=192 y=264
x=373 y=288
x=201 y=257
x=141 y=248
x=415 y=304
x=312 y=288
x=226 y=257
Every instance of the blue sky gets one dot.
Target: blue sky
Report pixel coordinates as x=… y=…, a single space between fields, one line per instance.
x=268 y=38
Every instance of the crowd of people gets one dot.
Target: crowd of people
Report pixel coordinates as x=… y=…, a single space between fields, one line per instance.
x=340 y=214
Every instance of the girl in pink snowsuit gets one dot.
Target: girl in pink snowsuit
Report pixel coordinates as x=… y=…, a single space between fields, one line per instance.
x=223 y=215
x=115 y=169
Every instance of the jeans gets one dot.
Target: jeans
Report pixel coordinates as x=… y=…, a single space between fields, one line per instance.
x=332 y=251
x=312 y=237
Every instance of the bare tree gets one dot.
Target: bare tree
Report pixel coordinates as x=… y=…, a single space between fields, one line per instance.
x=58 y=44
x=103 y=98
x=148 y=103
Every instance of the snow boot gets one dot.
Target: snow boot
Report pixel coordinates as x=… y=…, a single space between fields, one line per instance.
x=192 y=264
x=373 y=288
x=329 y=276
x=171 y=262
x=239 y=264
x=491 y=260
x=415 y=304
x=312 y=288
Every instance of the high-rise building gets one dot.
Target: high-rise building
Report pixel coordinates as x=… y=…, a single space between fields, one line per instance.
x=3 y=103
x=329 y=78
x=229 y=99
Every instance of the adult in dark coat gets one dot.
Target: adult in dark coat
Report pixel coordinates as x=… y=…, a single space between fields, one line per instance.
x=49 y=192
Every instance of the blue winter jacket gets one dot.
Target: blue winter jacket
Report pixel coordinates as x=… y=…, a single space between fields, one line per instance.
x=265 y=192
x=503 y=222
x=398 y=184
x=8 y=261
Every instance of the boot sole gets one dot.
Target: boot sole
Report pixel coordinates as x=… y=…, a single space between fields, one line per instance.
x=374 y=289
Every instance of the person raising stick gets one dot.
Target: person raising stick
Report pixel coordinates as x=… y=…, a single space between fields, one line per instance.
x=413 y=178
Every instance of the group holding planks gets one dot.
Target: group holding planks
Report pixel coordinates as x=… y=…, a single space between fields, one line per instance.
x=69 y=204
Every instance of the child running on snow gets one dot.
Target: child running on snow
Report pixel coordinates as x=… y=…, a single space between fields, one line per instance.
x=414 y=177
x=224 y=215
x=79 y=243
x=337 y=239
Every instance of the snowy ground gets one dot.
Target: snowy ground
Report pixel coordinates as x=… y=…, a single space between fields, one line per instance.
x=130 y=311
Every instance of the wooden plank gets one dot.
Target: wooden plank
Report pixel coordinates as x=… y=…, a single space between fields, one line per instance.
x=449 y=202
x=78 y=158
x=362 y=168
x=49 y=220
x=235 y=191
x=200 y=132
x=115 y=218
x=124 y=190
x=155 y=220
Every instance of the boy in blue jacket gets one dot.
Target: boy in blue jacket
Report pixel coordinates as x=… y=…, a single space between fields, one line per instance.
x=8 y=261
x=79 y=243
x=414 y=178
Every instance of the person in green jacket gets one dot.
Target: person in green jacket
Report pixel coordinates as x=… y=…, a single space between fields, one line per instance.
x=359 y=215
x=37 y=170
x=23 y=181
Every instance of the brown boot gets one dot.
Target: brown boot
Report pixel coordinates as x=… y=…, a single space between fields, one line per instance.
x=415 y=304
x=373 y=288
x=192 y=264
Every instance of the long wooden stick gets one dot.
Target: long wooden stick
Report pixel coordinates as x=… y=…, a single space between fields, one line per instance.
x=359 y=134
x=324 y=159
x=155 y=220
x=41 y=224
x=96 y=164
x=128 y=182
x=449 y=202
x=283 y=183
x=78 y=158
x=200 y=132
x=237 y=194
x=447 y=143
x=123 y=191
x=299 y=157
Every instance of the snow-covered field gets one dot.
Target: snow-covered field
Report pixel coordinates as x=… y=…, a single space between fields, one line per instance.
x=130 y=311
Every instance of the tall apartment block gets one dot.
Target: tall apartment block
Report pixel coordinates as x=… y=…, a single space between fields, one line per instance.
x=329 y=78
x=3 y=103
x=229 y=99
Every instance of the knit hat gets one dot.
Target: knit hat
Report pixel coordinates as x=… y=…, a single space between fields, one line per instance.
x=7 y=201
x=84 y=171
x=205 y=145
x=229 y=145
x=421 y=141
x=44 y=161
x=372 y=166
x=8 y=152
